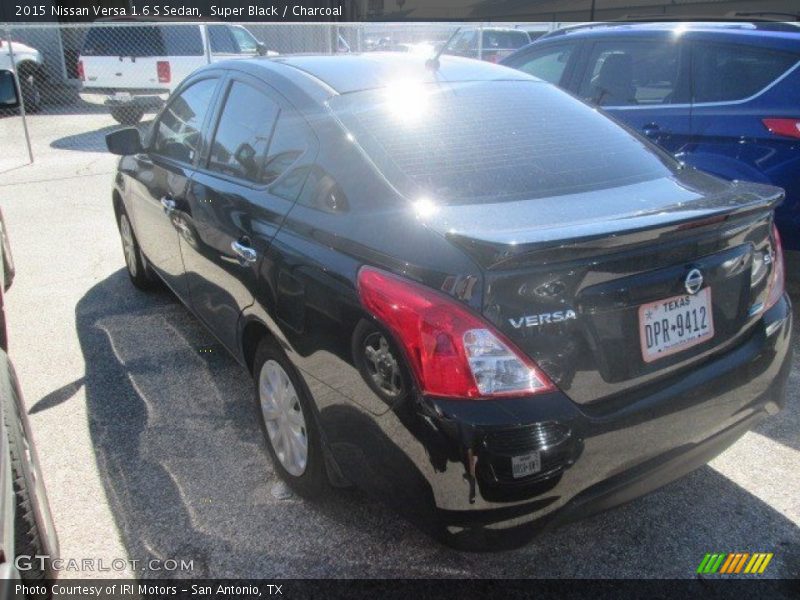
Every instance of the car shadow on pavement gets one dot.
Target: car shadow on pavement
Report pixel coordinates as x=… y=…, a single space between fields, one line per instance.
x=95 y=140
x=185 y=472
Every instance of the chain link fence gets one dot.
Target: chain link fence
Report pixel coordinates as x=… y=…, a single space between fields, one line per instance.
x=79 y=81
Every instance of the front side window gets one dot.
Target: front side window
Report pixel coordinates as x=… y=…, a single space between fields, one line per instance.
x=243 y=135
x=724 y=72
x=624 y=73
x=221 y=40
x=246 y=43
x=178 y=132
x=548 y=64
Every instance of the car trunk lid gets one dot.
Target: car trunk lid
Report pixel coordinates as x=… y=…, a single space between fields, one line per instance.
x=573 y=292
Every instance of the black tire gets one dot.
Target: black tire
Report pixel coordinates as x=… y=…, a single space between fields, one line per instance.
x=32 y=511
x=127 y=115
x=139 y=271
x=31 y=94
x=313 y=481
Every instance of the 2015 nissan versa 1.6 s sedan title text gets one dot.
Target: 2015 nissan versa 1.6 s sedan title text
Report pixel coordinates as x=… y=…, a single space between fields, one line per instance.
x=457 y=286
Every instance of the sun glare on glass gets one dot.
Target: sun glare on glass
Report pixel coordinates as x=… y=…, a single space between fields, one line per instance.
x=406 y=100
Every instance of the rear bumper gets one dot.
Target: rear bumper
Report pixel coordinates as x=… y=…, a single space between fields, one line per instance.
x=592 y=457
x=145 y=98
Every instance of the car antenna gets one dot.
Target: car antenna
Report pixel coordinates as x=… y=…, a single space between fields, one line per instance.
x=433 y=63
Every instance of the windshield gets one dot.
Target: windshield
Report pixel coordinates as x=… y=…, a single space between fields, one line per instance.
x=491 y=141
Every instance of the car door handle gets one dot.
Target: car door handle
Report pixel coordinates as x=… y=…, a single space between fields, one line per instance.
x=246 y=254
x=168 y=203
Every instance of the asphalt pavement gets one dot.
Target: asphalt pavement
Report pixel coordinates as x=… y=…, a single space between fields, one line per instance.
x=150 y=447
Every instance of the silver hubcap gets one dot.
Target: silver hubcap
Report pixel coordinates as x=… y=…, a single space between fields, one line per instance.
x=382 y=365
x=128 y=245
x=283 y=417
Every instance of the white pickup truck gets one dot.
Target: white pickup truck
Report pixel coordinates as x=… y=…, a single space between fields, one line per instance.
x=133 y=67
x=30 y=70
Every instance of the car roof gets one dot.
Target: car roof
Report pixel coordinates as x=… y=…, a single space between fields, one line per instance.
x=723 y=28
x=344 y=74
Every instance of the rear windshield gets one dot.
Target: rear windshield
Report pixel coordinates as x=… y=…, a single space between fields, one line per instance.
x=143 y=40
x=492 y=141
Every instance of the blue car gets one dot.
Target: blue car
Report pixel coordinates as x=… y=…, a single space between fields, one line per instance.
x=722 y=97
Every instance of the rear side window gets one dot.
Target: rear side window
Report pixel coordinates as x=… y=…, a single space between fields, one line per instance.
x=135 y=40
x=221 y=39
x=178 y=132
x=723 y=72
x=242 y=138
x=492 y=141
x=622 y=73
x=291 y=140
x=547 y=63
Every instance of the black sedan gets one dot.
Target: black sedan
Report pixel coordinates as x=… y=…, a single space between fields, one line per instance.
x=457 y=286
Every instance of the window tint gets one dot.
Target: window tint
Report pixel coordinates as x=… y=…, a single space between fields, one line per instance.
x=178 y=132
x=245 y=42
x=221 y=39
x=631 y=73
x=492 y=141
x=182 y=40
x=243 y=134
x=547 y=64
x=291 y=140
x=137 y=40
x=504 y=39
x=732 y=72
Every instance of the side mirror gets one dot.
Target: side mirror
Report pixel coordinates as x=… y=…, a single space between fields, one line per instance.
x=261 y=48
x=9 y=95
x=124 y=141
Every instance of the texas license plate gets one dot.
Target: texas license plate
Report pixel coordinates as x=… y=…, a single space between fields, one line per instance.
x=675 y=324
x=527 y=464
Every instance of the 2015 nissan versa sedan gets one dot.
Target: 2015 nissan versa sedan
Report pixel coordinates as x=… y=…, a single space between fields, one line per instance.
x=457 y=286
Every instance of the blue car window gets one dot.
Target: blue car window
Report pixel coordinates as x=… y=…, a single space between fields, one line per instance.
x=630 y=73
x=548 y=64
x=725 y=72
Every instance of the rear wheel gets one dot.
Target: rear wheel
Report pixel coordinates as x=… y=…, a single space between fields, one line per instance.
x=127 y=115
x=139 y=271
x=288 y=421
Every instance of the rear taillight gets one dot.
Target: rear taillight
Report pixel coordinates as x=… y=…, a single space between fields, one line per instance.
x=785 y=127
x=777 y=280
x=164 y=71
x=452 y=351
x=81 y=73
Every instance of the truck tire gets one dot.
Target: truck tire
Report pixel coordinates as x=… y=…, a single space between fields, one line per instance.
x=127 y=115
x=31 y=95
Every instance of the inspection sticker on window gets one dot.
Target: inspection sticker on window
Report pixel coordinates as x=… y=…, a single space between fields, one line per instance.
x=527 y=464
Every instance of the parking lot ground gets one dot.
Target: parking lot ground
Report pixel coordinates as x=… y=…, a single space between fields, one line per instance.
x=150 y=447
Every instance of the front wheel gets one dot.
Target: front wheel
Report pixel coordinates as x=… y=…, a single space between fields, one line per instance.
x=288 y=422
x=127 y=115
